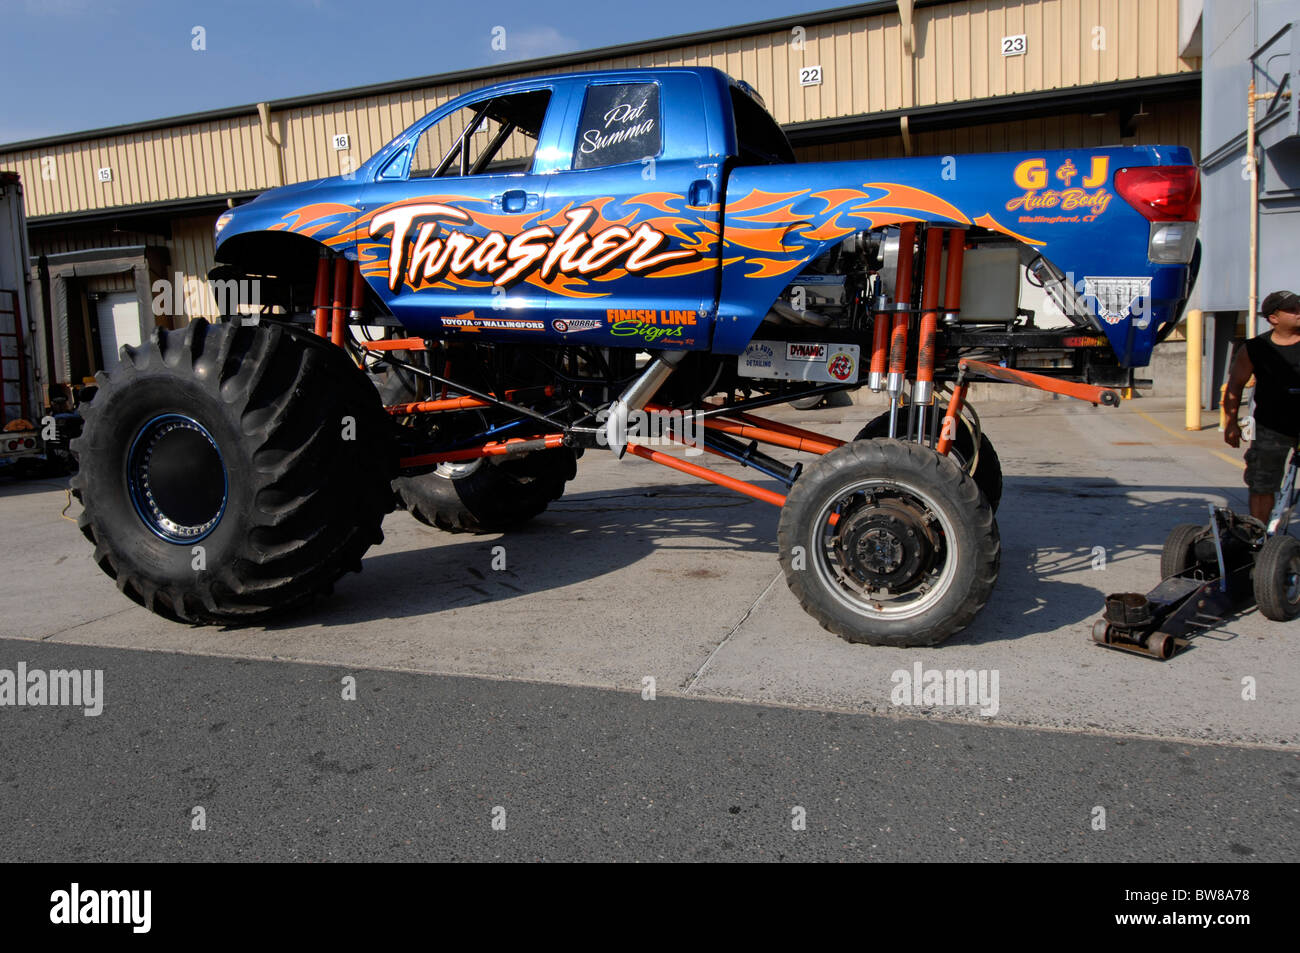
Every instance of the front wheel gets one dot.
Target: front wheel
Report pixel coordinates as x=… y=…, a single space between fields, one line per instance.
x=230 y=472
x=889 y=543
x=1277 y=579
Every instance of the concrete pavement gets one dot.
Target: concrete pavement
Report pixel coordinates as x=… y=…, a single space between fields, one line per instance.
x=640 y=573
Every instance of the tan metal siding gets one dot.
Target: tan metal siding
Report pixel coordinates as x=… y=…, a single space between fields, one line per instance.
x=1168 y=124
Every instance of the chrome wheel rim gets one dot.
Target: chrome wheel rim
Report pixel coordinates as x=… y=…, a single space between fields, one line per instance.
x=177 y=478
x=861 y=538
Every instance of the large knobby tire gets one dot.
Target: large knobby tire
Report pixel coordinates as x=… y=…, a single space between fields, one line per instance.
x=892 y=503
x=1277 y=579
x=1179 y=551
x=487 y=496
x=263 y=445
x=988 y=468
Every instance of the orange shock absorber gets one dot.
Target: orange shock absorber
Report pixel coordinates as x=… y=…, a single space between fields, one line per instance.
x=956 y=262
x=923 y=394
x=321 y=299
x=902 y=316
x=341 y=267
x=358 y=294
x=879 y=349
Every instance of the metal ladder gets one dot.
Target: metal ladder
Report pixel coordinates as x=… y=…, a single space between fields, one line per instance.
x=12 y=356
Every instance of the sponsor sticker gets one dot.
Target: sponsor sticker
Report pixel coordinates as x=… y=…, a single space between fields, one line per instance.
x=573 y=325
x=826 y=363
x=1116 y=297
x=469 y=322
x=801 y=351
x=841 y=366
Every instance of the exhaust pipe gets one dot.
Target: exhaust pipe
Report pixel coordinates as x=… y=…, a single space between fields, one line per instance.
x=636 y=396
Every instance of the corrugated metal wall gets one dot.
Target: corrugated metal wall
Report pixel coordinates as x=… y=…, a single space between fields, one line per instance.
x=1168 y=123
x=190 y=250
x=864 y=66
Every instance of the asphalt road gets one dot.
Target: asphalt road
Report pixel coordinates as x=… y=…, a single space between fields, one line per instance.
x=414 y=768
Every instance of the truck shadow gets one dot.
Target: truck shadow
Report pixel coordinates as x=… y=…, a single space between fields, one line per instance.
x=1065 y=543
x=578 y=542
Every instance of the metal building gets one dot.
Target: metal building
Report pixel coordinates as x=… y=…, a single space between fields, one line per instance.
x=112 y=211
x=1246 y=41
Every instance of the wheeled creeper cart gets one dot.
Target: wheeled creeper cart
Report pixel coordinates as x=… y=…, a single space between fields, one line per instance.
x=1209 y=572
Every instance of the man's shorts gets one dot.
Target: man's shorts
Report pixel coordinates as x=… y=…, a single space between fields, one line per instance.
x=1266 y=460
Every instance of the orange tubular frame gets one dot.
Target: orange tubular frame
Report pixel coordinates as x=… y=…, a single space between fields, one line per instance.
x=704 y=473
x=949 y=429
x=740 y=424
x=1087 y=392
x=452 y=403
x=551 y=441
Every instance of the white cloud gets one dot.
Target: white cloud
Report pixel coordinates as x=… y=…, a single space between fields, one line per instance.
x=537 y=41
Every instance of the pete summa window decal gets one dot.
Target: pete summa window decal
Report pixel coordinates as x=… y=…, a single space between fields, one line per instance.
x=619 y=123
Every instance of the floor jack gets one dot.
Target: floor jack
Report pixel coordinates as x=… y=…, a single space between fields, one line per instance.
x=1211 y=571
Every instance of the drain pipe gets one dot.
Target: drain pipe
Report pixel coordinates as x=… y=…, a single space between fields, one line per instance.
x=1253 y=97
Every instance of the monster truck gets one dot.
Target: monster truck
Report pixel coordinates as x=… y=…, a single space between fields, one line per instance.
x=532 y=269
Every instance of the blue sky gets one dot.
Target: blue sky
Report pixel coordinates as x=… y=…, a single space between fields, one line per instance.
x=70 y=65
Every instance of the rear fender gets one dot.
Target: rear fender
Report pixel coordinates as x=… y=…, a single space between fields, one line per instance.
x=1062 y=204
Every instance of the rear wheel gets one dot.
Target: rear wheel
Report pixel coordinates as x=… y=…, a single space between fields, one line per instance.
x=987 y=468
x=889 y=543
x=1277 y=579
x=227 y=472
x=1179 y=552
x=486 y=496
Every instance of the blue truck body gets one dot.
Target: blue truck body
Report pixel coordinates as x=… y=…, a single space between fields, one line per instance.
x=689 y=247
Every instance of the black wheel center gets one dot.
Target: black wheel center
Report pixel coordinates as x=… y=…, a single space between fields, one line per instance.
x=886 y=545
x=177 y=478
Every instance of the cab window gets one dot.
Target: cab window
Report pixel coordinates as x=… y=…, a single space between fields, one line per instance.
x=761 y=140
x=620 y=122
x=494 y=136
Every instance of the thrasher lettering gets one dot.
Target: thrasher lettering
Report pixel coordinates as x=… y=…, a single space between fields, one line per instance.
x=432 y=254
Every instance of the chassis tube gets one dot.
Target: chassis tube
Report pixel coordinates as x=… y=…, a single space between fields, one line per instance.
x=763 y=424
x=503 y=448
x=775 y=437
x=949 y=429
x=704 y=473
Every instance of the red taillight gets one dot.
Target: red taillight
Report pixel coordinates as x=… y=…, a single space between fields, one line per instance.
x=1162 y=193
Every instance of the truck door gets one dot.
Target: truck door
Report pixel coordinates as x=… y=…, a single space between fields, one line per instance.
x=642 y=183
x=445 y=217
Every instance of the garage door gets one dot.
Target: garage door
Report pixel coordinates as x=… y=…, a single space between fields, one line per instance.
x=119 y=323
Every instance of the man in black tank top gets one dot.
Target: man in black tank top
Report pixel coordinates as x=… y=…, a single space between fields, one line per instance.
x=1274 y=359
